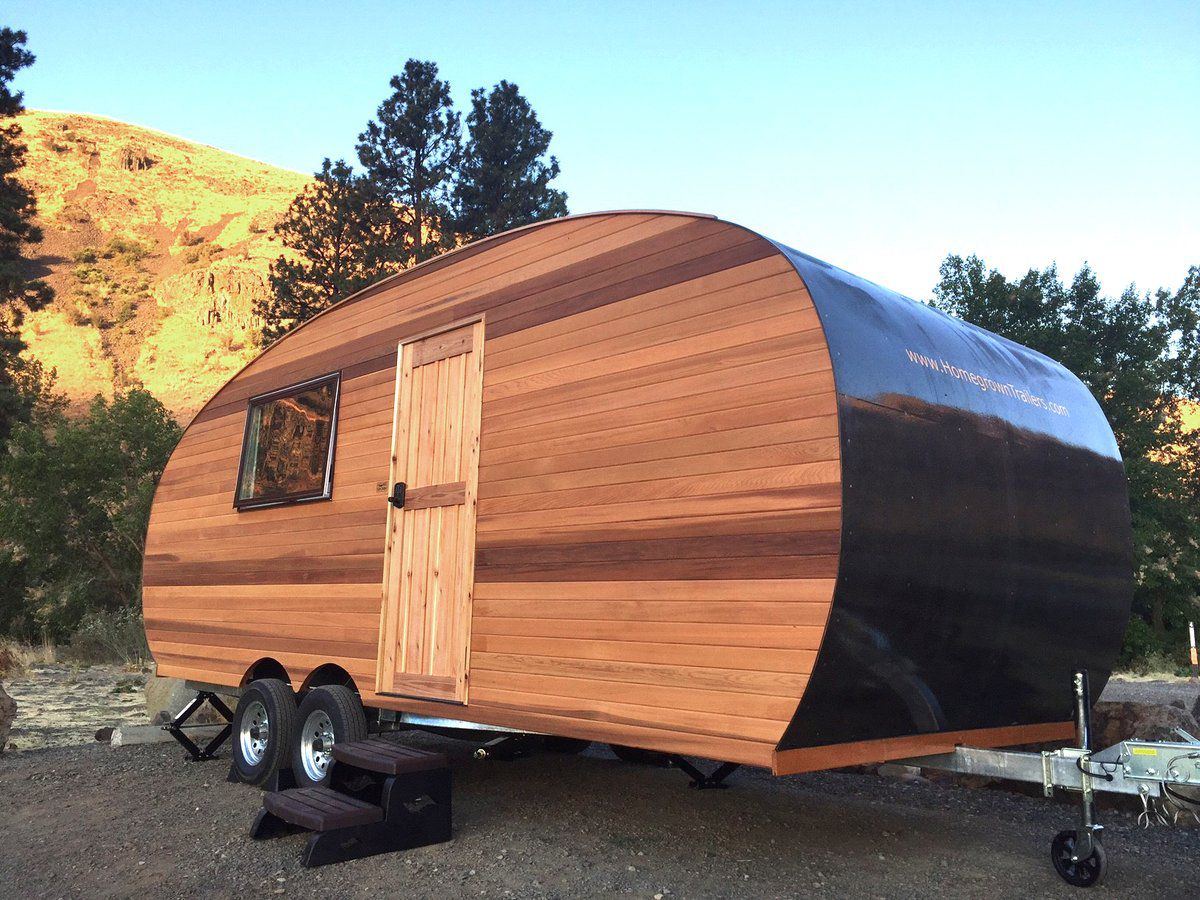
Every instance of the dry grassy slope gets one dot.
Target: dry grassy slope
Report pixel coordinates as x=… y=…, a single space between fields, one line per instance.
x=156 y=247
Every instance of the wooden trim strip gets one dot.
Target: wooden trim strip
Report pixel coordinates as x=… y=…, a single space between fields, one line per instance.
x=834 y=756
x=453 y=493
x=442 y=346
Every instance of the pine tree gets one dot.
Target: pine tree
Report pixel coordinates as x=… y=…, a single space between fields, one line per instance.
x=504 y=180
x=21 y=381
x=339 y=232
x=410 y=152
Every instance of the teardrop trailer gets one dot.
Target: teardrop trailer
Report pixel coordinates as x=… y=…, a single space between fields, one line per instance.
x=649 y=479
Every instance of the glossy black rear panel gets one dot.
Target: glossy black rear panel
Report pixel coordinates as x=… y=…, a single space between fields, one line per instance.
x=986 y=547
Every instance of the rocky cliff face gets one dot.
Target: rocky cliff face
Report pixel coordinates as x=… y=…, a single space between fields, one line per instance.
x=157 y=248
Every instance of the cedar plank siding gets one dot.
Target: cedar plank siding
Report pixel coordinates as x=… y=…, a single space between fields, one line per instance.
x=658 y=491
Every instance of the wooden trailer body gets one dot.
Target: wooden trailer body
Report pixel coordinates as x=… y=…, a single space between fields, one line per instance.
x=667 y=484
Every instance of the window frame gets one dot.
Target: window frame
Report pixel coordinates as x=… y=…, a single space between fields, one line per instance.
x=326 y=491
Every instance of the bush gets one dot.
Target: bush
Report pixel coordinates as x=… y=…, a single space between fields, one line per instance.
x=86 y=255
x=74 y=502
x=126 y=249
x=110 y=636
x=86 y=273
x=16 y=658
x=1140 y=644
x=204 y=253
x=126 y=311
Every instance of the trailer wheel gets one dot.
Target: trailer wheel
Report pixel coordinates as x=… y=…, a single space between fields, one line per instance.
x=263 y=726
x=328 y=715
x=1081 y=873
x=640 y=757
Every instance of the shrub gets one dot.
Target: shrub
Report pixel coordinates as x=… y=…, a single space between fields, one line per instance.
x=126 y=249
x=110 y=636
x=202 y=254
x=126 y=311
x=86 y=255
x=88 y=274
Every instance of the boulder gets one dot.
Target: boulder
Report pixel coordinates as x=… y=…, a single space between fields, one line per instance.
x=1116 y=722
x=165 y=697
x=8 y=712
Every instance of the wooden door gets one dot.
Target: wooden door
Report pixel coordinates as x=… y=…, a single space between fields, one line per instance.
x=429 y=566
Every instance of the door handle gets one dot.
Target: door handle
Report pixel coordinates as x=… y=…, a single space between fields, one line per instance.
x=397 y=498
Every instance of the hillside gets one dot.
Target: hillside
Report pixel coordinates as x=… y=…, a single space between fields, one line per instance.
x=156 y=248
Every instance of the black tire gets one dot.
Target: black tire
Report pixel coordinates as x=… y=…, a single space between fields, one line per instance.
x=328 y=715
x=555 y=744
x=1087 y=872
x=640 y=757
x=258 y=755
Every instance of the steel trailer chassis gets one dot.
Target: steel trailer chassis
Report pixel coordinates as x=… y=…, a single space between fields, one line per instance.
x=1146 y=769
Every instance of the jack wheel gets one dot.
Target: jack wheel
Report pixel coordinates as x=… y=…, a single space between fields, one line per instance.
x=1083 y=872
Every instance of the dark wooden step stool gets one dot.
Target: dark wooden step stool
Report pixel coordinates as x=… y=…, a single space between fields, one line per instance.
x=382 y=797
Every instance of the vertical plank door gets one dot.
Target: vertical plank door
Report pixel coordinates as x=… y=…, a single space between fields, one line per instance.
x=430 y=555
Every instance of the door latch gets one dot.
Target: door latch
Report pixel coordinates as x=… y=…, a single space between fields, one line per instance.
x=397 y=498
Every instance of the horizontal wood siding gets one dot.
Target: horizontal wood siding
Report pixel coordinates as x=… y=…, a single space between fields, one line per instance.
x=659 y=490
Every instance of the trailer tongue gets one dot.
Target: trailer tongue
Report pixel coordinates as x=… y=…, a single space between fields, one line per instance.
x=1145 y=769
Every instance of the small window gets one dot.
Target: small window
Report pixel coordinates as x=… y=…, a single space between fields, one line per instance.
x=287 y=451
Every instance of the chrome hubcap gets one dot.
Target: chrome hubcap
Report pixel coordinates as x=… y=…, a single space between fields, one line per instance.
x=316 y=745
x=254 y=733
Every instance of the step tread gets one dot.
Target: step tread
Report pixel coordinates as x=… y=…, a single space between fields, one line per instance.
x=320 y=808
x=378 y=754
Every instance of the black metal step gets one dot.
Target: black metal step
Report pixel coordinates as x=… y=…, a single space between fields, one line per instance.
x=378 y=754
x=320 y=809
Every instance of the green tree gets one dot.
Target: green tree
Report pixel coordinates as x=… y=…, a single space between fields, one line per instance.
x=339 y=230
x=411 y=152
x=74 y=504
x=504 y=179
x=21 y=380
x=1140 y=356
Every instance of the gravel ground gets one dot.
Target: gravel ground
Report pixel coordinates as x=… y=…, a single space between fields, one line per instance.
x=117 y=822
x=1142 y=690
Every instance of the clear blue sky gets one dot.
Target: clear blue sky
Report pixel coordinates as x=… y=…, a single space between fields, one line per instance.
x=877 y=136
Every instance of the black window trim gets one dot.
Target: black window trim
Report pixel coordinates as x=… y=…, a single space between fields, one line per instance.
x=326 y=492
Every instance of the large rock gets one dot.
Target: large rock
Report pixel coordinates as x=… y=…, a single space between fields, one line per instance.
x=1116 y=722
x=165 y=697
x=8 y=712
